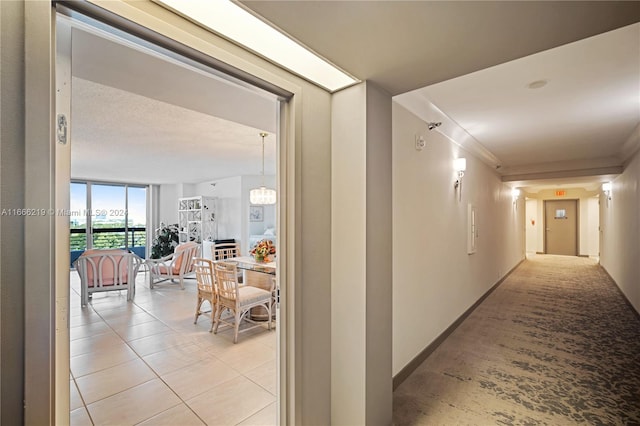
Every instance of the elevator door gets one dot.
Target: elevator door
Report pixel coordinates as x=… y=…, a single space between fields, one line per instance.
x=561 y=227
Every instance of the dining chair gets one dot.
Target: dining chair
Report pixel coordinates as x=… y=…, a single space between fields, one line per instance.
x=223 y=251
x=265 y=282
x=176 y=266
x=107 y=270
x=226 y=251
x=206 y=287
x=237 y=299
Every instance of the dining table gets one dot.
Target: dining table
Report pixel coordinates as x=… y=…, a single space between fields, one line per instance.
x=261 y=275
x=248 y=263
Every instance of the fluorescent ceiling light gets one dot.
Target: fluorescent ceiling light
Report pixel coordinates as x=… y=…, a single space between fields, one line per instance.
x=235 y=23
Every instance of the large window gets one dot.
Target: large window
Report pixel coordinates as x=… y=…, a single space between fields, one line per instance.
x=137 y=219
x=108 y=216
x=78 y=218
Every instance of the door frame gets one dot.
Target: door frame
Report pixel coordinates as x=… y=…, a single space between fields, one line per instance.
x=544 y=211
x=46 y=303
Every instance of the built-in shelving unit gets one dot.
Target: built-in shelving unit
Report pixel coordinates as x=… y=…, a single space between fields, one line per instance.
x=197 y=219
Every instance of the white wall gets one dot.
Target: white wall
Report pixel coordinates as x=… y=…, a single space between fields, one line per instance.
x=348 y=259
x=589 y=222
x=592 y=240
x=379 y=258
x=361 y=257
x=168 y=195
x=434 y=279
x=228 y=209
x=233 y=205
x=531 y=225
x=620 y=224
x=255 y=228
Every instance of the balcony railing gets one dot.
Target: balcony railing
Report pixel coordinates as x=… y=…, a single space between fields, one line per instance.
x=104 y=238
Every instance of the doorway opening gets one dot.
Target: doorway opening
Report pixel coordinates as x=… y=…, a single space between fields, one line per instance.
x=147 y=119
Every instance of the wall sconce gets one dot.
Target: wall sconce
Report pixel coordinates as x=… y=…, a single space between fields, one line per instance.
x=606 y=188
x=459 y=166
x=515 y=194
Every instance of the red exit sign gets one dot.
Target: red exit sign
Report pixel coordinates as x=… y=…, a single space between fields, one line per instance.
x=561 y=193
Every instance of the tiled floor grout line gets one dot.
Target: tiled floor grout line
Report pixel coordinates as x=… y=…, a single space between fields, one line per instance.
x=156 y=373
x=139 y=357
x=194 y=396
x=160 y=377
x=120 y=337
x=84 y=404
x=127 y=342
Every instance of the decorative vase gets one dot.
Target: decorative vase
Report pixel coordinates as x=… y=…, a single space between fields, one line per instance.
x=259 y=258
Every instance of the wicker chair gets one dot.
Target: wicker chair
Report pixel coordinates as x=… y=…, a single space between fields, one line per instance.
x=226 y=251
x=265 y=282
x=176 y=266
x=237 y=299
x=206 y=287
x=107 y=270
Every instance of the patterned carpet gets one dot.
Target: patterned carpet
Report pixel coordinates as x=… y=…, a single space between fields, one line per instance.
x=554 y=344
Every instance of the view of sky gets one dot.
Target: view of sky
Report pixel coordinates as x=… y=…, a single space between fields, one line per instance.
x=108 y=203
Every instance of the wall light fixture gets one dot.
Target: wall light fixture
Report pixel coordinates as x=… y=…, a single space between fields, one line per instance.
x=515 y=194
x=606 y=188
x=459 y=166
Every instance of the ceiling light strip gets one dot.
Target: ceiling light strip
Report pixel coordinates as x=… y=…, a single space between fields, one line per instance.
x=233 y=22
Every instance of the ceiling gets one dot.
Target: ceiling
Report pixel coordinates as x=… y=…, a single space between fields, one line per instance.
x=466 y=64
x=122 y=136
x=589 y=103
x=142 y=117
x=405 y=45
x=469 y=64
x=579 y=121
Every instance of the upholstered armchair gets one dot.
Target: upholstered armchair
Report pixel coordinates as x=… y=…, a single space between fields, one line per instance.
x=176 y=266
x=107 y=270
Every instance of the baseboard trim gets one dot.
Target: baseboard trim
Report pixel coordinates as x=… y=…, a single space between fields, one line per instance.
x=624 y=296
x=403 y=374
x=540 y=252
x=583 y=255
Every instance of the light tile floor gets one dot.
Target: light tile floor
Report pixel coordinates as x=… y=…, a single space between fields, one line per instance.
x=145 y=362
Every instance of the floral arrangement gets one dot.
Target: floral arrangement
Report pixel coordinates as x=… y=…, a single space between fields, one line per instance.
x=166 y=240
x=263 y=249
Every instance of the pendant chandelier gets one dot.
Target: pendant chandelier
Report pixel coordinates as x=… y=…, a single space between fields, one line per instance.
x=262 y=195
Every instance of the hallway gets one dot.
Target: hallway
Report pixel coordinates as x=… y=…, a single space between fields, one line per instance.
x=555 y=343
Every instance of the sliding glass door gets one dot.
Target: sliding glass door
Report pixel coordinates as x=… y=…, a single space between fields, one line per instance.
x=108 y=218
x=78 y=219
x=137 y=220
x=105 y=215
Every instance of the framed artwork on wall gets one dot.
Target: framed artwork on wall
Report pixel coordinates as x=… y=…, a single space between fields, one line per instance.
x=256 y=213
